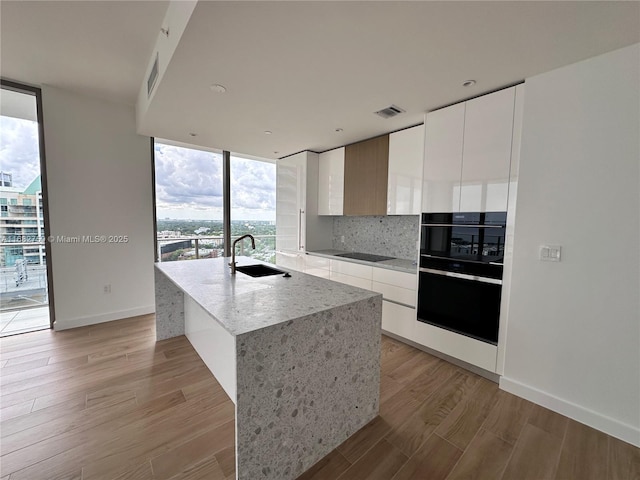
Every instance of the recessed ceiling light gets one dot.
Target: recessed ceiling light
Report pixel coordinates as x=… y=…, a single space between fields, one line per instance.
x=216 y=87
x=191 y=134
x=268 y=132
x=339 y=130
x=468 y=83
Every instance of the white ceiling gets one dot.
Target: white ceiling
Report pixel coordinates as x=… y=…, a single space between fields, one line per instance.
x=18 y=105
x=98 y=48
x=303 y=69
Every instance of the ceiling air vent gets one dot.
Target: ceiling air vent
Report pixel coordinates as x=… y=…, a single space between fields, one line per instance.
x=153 y=76
x=389 y=112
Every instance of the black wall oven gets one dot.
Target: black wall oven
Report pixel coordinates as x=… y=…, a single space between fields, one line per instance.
x=461 y=262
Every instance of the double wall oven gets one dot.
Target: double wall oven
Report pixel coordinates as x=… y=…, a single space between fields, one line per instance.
x=461 y=262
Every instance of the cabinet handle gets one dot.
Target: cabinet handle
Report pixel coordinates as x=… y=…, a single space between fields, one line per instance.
x=398 y=303
x=300 y=245
x=464 y=276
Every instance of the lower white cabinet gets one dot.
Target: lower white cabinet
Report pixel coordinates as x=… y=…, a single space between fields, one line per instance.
x=395 y=294
x=352 y=269
x=351 y=280
x=398 y=319
x=317 y=266
x=398 y=289
x=291 y=260
x=467 y=349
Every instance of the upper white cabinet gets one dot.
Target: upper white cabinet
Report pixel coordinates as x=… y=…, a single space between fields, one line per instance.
x=404 y=184
x=331 y=182
x=291 y=184
x=298 y=226
x=488 y=128
x=468 y=155
x=444 y=134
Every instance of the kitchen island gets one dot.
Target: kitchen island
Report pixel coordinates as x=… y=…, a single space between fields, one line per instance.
x=299 y=356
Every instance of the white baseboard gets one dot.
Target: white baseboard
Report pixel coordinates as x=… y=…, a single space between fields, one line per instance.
x=101 y=318
x=608 y=425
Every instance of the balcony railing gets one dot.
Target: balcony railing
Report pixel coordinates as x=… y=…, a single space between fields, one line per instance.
x=191 y=248
x=23 y=284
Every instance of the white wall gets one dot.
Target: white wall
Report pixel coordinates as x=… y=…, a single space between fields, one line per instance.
x=175 y=22
x=573 y=340
x=99 y=180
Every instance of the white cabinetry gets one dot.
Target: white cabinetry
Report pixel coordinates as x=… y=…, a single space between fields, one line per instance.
x=444 y=134
x=399 y=300
x=353 y=274
x=290 y=259
x=298 y=226
x=468 y=155
x=317 y=266
x=404 y=183
x=488 y=129
x=398 y=319
x=467 y=349
x=398 y=290
x=331 y=182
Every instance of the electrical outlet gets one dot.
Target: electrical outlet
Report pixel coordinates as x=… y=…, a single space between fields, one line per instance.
x=107 y=288
x=341 y=238
x=550 y=253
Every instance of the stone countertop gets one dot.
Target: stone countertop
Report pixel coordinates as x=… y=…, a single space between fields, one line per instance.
x=243 y=304
x=399 y=264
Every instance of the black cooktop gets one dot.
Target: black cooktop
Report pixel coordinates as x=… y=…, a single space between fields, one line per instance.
x=366 y=257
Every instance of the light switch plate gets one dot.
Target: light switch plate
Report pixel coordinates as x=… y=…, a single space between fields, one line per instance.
x=550 y=253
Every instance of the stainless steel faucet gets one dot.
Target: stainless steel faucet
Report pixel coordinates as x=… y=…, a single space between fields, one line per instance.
x=233 y=251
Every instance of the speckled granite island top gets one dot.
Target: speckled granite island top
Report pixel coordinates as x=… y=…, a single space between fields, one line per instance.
x=299 y=357
x=242 y=304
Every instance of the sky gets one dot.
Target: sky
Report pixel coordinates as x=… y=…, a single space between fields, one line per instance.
x=189 y=185
x=188 y=181
x=19 y=150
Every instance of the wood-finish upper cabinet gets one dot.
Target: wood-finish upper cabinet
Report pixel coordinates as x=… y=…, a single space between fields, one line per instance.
x=331 y=182
x=366 y=166
x=404 y=189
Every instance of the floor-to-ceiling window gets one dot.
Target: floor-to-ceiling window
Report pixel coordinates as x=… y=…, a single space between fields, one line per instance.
x=253 y=205
x=24 y=287
x=190 y=198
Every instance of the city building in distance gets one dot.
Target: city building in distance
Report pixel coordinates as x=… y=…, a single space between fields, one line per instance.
x=21 y=223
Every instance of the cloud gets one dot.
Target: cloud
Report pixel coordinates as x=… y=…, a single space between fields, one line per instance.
x=188 y=181
x=253 y=184
x=189 y=185
x=19 y=150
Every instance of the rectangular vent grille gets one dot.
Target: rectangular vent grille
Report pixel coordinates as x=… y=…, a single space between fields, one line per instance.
x=153 y=76
x=389 y=112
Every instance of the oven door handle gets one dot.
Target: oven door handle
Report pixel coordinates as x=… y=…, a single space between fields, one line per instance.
x=465 y=276
x=463 y=225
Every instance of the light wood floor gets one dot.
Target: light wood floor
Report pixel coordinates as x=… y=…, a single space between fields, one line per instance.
x=108 y=402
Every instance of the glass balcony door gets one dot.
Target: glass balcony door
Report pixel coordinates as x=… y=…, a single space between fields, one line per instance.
x=24 y=285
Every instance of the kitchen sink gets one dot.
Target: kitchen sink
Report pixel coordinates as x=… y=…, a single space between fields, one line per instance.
x=258 y=270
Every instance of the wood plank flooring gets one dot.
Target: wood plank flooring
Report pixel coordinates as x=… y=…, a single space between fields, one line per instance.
x=107 y=402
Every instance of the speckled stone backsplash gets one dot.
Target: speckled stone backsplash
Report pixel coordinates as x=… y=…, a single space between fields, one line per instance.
x=393 y=236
